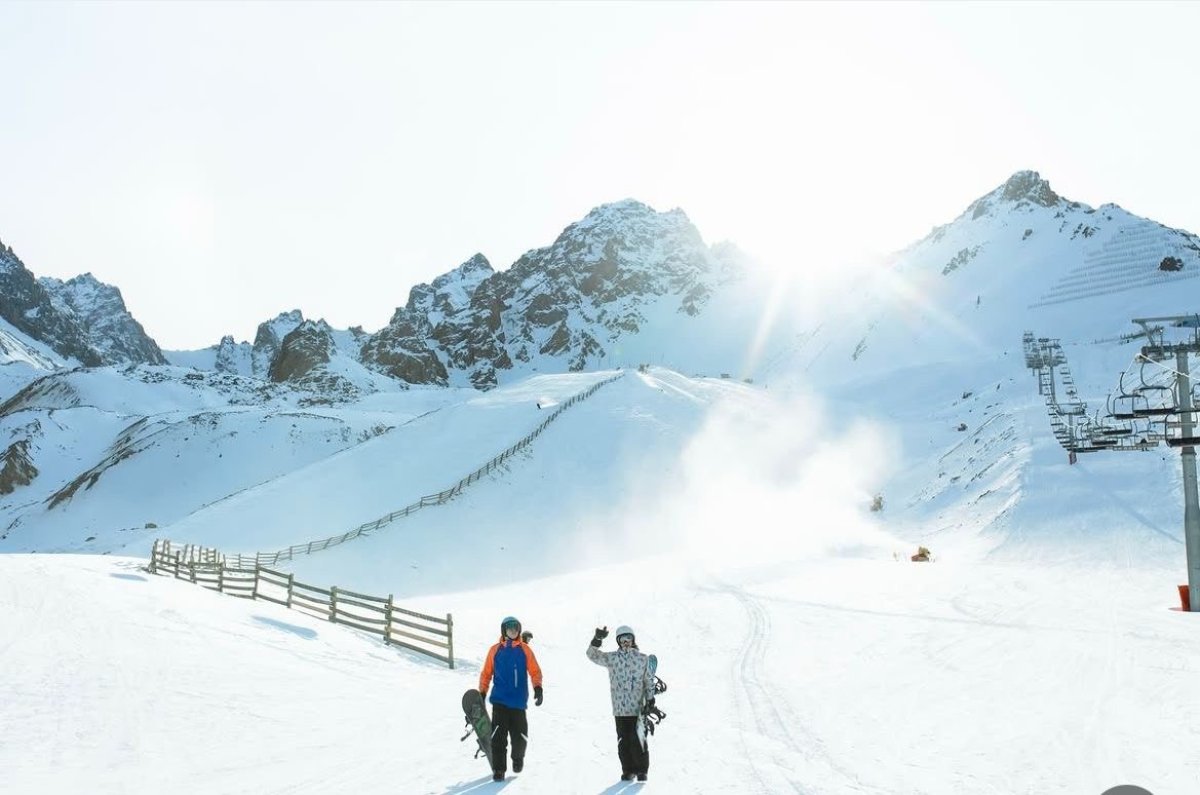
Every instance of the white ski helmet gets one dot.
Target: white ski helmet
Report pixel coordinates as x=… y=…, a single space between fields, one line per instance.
x=625 y=630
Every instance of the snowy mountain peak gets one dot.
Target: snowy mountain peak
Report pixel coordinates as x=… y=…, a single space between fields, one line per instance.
x=624 y=208
x=631 y=217
x=82 y=319
x=8 y=259
x=269 y=339
x=109 y=327
x=475 y=263
x=1020 y=190
x=452 y=290
x=1028 y=186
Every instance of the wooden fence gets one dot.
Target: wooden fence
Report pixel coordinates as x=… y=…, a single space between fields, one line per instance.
x=429 y=635
x=274 y=558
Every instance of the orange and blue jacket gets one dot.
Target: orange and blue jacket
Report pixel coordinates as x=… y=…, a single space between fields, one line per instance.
x=509 y=663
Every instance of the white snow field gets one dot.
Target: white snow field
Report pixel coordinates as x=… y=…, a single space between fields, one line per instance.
x=804 y=653
x=823 y=676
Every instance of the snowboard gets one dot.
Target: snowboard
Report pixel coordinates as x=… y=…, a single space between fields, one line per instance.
x=649 y=720
x=477 y=719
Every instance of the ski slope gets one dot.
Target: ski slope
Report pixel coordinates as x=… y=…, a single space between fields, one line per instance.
x=831 y=675
x=728 y=525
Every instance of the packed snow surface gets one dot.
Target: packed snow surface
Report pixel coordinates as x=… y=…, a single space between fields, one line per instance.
x=803 y=651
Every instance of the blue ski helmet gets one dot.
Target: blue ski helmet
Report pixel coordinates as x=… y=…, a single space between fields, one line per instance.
x=507 y=622
x=625 y=630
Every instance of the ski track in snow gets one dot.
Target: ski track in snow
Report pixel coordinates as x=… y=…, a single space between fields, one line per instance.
x=748 y=678
x=774 y=718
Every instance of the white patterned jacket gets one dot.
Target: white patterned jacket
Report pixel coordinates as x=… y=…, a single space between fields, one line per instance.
x=629 y=678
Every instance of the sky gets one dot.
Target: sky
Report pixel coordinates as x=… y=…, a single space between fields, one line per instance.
x=222 y=163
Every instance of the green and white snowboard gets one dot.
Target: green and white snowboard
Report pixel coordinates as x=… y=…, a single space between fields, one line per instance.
x=477 y=718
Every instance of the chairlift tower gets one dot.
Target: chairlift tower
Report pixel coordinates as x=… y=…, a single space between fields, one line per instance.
x=1158 y=350
x=1131 y=422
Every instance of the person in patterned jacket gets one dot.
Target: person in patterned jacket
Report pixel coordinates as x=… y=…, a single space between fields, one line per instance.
x=631 y=685
x=510 y=664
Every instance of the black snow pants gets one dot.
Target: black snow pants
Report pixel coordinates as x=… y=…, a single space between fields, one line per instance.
x=634 y=758
x=506 y=721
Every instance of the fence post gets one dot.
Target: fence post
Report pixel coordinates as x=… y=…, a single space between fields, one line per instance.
x=450 y=639
x=333 y=603
x=387 y=621
x=192 y=569
x=254 y=592
x=289 y=599
x=221 y=580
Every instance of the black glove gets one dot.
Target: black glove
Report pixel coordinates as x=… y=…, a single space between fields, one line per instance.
x=601 y=634
x=537 y=695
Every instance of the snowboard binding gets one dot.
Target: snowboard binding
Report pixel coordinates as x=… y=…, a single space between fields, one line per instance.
x=651 y=717
x=651 y=714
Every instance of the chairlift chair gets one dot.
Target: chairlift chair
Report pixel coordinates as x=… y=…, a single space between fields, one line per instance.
x=1126 y=406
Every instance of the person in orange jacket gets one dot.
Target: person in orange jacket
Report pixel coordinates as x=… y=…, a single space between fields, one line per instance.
x=509 y=665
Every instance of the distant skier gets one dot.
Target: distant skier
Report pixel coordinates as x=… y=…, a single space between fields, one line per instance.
x=508 y=664
x=631 y=685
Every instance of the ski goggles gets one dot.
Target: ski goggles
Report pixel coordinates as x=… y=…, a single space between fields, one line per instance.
x=507 y=625
x=623 y=639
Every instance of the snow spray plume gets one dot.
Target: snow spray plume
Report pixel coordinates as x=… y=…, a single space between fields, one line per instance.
x=766 y=480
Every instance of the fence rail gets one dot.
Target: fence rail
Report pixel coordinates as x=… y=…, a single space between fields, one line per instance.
x=377 y=615
x=273 y=558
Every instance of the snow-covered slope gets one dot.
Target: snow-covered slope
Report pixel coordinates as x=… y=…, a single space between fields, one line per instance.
x=22 y=360
x=1019 y=258
x=427 y=452
x=930 y=350
x=729 y=522
x=801 y=669
x=934 y=343
x=116 y=451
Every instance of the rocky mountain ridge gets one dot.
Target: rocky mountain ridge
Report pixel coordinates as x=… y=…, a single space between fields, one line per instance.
x=80 y=319
x=558 y=308
x=607 y=281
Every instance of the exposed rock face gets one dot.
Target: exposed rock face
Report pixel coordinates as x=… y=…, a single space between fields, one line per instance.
x=16 y=467
x=107 y=325
x=268 y=341
x=1023 y=187
x=1029 y=186
x=567 y=301
x=451 y=292
x=307 y=347
x=28 y=306
x=227 y=356
x=401 y=350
